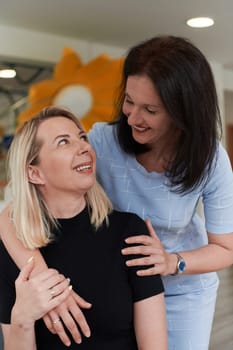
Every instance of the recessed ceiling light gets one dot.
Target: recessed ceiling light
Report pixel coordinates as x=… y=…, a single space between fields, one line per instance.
x=7 y=73
x=200 y=22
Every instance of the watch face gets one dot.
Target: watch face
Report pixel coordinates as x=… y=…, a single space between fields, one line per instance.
x=182 y=266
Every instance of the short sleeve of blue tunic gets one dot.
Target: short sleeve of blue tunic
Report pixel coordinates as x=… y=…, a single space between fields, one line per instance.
x=218 y=195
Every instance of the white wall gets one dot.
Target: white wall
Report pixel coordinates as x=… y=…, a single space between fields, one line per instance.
x=218 y=72
x=27 y=45
x=228 y=79
x=228 y=98
x=23 y=44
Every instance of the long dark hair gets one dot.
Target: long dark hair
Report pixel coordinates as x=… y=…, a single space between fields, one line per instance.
x=183 y=78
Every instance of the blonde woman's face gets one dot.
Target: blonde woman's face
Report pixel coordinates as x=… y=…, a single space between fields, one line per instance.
x=67 y=162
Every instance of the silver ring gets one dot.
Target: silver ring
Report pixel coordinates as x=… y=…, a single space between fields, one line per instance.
x=56 y=321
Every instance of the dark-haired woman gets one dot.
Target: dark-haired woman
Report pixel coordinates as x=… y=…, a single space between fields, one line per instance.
x=158 y=159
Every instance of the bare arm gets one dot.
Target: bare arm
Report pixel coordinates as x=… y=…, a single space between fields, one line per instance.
x=35 y=296
x=18 y=338
x=69 y=310
x=150 y=323
x=214 y=256
x=15 y=248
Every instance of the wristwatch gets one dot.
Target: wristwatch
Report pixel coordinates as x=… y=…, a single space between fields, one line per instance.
x=181 y=265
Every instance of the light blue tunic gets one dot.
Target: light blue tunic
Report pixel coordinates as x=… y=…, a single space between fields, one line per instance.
x=190 y=299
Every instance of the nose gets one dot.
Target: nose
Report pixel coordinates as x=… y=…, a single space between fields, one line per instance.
x=133 y=116
x=83 y=147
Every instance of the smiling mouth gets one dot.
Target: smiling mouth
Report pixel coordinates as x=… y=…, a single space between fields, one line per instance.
x=83 y=168
x=140 y=129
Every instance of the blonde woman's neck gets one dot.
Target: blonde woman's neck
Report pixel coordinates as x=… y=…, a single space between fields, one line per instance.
x=66 y=207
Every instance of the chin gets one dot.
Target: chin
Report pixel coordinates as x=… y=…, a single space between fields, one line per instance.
x=87 y=185
x=140 y=140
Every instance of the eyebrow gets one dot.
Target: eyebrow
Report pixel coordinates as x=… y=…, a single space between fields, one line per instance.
x=59 y=136
x=81 y=132
x=145 y=105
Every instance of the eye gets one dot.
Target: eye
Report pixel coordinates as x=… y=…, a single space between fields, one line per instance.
x=128 y=101
x=151 y=111
x=83 y=137
x=62 y=142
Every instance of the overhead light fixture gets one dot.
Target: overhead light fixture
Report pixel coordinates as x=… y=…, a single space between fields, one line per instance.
x=200 y=22
x=7 y=73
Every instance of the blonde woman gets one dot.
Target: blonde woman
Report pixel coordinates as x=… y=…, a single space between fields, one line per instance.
x=58 y=206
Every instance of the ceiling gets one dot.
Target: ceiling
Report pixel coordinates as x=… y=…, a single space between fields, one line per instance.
x=125 y=22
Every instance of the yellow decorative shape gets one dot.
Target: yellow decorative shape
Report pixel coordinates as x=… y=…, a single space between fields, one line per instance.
x=99 y=78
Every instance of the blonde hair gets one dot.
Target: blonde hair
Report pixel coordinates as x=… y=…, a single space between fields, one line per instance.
x=29 y=212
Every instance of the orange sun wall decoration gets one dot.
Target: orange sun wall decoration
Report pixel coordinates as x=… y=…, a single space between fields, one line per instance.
x=88 y=90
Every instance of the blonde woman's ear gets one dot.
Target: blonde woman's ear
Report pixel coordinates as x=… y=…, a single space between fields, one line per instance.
x=34 y=175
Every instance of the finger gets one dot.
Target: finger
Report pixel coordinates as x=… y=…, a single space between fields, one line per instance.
x=78 y=315
x=151 y=230
x=142 y=250
x=24 y=274
x=46 y=276
x=154 y=270
x=145 y=261
x=80 y=301
x=49 y=275
x=49 y=278
x=59 y=287
x=143 y=239
x=69 y=323
x=58 y=299
x=54 y=279
x=58 y=327
x=48 y=323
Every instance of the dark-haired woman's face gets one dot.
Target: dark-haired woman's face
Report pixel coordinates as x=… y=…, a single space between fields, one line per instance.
x=149 y=120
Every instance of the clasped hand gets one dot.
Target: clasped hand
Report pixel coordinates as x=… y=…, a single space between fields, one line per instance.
x=37 y=295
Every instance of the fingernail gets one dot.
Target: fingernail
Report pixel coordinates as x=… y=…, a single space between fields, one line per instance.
x=88 y=334
x=70 y=287
x=30 y=259
x=68 y=280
